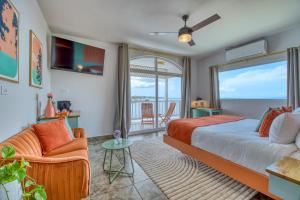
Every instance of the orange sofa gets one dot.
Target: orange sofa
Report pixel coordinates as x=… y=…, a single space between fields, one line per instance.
x=65 y=171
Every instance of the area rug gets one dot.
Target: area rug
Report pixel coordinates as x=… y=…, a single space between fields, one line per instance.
x=180 y=177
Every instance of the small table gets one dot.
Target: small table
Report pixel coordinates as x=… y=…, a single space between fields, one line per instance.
x=112 y=145
x=201 y=112
x=284 y=179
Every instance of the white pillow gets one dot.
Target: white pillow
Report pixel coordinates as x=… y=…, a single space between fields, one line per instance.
x=298 y=140
x=297 y=110
x=284 y=128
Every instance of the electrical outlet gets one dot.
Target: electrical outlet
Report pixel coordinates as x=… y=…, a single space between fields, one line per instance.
x=3 y=90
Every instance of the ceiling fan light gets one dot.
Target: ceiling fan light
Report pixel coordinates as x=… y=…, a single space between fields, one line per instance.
x=185 y=37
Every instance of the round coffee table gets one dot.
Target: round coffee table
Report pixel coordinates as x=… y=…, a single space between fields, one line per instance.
x=113 y=145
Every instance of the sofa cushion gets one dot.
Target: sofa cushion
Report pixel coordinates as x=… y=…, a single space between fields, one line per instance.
x=52 y=134
x=78 y=153
x=25 y=143
x=76 y=144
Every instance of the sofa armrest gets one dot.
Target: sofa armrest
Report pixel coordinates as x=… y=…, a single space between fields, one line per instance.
x=79 y=132
x=63 y=178
x=50 y=160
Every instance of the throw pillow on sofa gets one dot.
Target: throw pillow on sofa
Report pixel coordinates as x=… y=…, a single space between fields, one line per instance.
x=284 y=128
x=52 y=134
x=66 y=122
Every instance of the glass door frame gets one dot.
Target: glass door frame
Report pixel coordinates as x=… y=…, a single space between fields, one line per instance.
x=156 y=73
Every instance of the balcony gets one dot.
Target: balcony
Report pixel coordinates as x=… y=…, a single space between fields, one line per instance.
x=157 y=124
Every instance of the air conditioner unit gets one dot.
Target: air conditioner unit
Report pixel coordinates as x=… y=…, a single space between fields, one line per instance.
x=248 y=50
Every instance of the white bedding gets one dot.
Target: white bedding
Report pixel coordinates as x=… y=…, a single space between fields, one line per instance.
x=239 y=143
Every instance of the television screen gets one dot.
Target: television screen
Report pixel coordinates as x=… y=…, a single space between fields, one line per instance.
x=73 y=56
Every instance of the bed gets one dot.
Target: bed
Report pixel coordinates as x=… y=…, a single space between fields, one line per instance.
x=232 y=147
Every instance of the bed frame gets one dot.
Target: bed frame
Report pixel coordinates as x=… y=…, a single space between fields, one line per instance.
x=242 y=174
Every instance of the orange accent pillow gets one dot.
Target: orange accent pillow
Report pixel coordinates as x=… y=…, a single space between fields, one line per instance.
x=287 y=109
x=52 y=134
x=267 y=122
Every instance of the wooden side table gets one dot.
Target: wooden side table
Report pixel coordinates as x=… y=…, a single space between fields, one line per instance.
x=201 y=112
x=284 y=179
x=73 y=119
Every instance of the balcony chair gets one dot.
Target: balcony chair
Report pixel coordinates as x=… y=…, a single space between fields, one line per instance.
x=147 y=113
x=166 y=118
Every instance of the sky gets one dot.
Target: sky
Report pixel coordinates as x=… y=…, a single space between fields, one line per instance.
x=267 y=81
x=145 y=86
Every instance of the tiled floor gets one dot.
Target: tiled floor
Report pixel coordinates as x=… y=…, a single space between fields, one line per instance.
x=140 y=187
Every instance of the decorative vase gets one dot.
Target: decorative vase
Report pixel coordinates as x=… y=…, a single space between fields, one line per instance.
x=12 y=190
x=117 y=136
x=49 y=110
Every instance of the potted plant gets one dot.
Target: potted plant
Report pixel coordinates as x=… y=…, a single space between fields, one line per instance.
x=14 y=182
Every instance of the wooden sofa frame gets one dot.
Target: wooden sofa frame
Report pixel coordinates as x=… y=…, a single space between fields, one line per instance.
x=242 y=174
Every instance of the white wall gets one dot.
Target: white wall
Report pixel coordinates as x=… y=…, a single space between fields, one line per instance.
x=18 y=108
x=94 y=96
x=251 y=108
x=277 y=42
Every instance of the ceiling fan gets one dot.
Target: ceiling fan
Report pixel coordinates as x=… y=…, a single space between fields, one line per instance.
x=185 y=33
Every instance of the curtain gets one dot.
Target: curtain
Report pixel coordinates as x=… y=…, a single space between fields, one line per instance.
x=122 y=117
x=186 y=88
x=214 y=87
x=293 y=85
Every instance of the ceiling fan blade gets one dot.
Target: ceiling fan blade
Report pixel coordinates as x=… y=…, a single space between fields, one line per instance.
x=191 y=43
x=206 y=22
x=162 y=33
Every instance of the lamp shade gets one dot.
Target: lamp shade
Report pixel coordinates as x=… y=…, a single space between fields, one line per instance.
x=185 y=34
x=186 y=37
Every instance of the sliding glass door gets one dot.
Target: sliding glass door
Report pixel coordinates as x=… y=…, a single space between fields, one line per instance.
x=155 y=93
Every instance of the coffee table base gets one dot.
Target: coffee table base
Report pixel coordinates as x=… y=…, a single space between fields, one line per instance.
x=113 y=174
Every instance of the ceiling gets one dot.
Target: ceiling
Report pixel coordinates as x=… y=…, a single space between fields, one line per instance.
x=131 y=20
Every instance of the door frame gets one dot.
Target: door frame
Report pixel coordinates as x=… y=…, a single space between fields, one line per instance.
x=156 y=73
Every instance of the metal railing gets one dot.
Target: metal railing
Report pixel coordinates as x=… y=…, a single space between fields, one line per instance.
x=163 y=105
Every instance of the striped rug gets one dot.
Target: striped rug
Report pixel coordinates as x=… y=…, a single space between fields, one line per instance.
x=180 y=177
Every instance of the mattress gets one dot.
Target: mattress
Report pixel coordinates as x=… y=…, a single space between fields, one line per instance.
x=239 y=143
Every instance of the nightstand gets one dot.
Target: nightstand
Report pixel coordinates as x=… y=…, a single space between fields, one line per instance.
x=201 y=112
x=284 y=179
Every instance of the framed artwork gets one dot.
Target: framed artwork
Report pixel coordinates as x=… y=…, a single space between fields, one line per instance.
x=9 y=42
x=36 y=64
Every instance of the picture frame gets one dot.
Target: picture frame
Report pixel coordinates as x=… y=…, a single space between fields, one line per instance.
x=9 y=42
x=35 y=61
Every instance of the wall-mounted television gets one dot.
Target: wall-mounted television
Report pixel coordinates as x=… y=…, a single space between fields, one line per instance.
x=77 y=57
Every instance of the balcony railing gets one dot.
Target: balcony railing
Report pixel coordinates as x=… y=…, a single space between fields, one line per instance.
x=163 y=105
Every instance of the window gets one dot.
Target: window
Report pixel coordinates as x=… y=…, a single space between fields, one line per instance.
x=265 y=81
